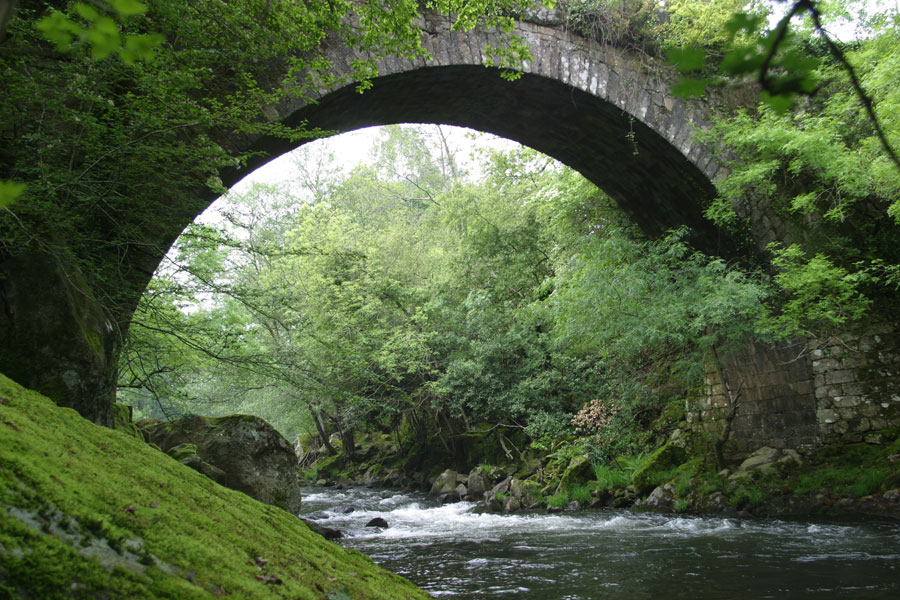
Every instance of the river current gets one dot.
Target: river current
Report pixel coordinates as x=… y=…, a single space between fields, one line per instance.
x=452 y=551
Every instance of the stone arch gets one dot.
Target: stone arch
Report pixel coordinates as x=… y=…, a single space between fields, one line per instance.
x=605 y=112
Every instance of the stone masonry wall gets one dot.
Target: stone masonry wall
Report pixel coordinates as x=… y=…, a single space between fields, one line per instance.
x=806 y=394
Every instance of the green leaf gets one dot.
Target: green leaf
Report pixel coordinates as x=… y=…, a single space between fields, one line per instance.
x=742 y=60
x=686 y=59
x=59 y=29
x=10 y=192
x=86 y=12
x=743 y=22
x=104 y=38
x=129 y=8
x=140 y=47
x=689 y=87
x=779 y=103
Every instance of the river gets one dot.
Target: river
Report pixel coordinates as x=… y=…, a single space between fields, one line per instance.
x=452 y=551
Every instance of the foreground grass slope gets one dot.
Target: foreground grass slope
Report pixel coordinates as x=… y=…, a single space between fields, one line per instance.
x=88 y=512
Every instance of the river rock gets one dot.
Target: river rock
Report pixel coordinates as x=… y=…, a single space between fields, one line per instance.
x=444 y=484
x=528 y=493
x=478 y=483
x=661 y=497
x=892 y=495
x=765 y=459
x=761 y=459
x=377 y=522
x=500 y=488
x=577 y=472
x=326 y=532
x=449 y=498
x=511 y=504
x=247 y=454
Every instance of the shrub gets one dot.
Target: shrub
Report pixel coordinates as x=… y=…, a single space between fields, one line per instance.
x=869 y=482
x=558 y=500
x=608 y=478
x=581 y=494
x=682 y=486
x=715 y=483
x=747 y=496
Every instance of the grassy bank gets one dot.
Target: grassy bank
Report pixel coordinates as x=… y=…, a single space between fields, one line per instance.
x=88 y=512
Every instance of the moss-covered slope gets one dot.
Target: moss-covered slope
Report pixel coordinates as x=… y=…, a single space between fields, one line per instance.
x=88 y=512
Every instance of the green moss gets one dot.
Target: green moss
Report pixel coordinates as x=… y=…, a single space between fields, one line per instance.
x=88 y=512
x=122 y=421
x=579 y=471
x=182 y=451
x=658 y=467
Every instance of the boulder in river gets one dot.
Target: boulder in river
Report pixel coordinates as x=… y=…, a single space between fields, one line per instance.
x=248 y=454
x=328 y=533
x=377 y=522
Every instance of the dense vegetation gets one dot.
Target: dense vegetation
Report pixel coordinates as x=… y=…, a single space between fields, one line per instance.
x=408 y=296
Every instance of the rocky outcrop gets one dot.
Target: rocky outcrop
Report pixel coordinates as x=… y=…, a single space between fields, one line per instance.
x=241 y=452
x=766 y=460
x=55 y=336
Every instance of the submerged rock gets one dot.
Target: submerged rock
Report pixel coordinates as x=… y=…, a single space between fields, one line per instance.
x=241 y=452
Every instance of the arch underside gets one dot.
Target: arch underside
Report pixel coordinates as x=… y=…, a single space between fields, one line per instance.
x=649 y=178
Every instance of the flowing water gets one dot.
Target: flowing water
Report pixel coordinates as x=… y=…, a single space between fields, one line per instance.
x=453 y=551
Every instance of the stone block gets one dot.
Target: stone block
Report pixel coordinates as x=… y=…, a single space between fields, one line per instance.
x=826 y=364
x=848 y=413
x=852 y=389
x=840 y=376
x=854 y=361
x=870 y=410
x=827 y=416
x=846 y=401
x=878 y=423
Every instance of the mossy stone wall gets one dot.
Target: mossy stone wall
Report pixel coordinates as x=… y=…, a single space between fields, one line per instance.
x=55 y=336
x=805 y=394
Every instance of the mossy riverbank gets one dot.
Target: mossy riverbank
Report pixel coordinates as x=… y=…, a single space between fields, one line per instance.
x=673 y=478
x=89 y=512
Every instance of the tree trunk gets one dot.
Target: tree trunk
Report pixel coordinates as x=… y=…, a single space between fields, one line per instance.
x=320 y=429
x=7 y=8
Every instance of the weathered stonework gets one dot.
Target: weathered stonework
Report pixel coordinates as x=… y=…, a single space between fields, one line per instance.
x=807 y=394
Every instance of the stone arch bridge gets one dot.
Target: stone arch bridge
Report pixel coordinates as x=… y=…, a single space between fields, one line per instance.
x=601 y=110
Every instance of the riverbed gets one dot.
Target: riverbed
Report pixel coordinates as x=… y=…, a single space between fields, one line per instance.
x=453 y=551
